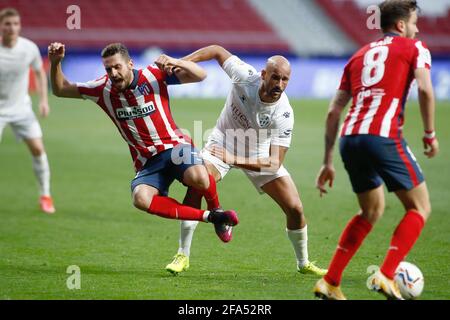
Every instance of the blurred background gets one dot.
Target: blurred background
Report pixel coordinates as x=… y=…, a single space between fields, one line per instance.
x=316 y=35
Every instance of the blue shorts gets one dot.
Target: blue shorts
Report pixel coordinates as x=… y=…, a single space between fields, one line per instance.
x=161 y=170
x=370 y=160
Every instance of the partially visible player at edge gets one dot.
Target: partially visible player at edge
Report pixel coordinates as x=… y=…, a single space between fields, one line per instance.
x=137 y=102
x=17 y=55
x=257 y=106
x=378 y=78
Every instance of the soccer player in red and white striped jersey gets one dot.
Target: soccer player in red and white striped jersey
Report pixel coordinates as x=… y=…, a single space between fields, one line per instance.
x=377 y=79
x=137 y=102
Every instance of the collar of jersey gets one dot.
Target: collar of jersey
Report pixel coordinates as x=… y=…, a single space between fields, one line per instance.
x=268 y=105
x=391 y=34
x=135 y=80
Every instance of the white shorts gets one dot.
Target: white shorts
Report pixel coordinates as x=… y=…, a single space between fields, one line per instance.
x=259 y=179
x=24 y=126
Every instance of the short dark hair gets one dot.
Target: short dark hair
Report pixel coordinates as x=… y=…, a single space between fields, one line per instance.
x=114 y=48
x=394 y=10
x=8 y=12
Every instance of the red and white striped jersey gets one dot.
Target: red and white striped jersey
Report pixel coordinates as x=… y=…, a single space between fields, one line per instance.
x=141 y=113
x=379 y=77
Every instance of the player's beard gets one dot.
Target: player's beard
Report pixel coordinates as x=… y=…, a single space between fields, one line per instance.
x=275 y=93
x=119 y=84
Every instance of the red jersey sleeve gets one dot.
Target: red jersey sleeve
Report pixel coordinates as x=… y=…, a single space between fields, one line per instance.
x=159 y=75
x=92 y=90
x=345 y=80
x=162 y=76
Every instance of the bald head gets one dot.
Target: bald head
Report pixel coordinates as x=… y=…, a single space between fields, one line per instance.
x=278 y=62
x=275 y=78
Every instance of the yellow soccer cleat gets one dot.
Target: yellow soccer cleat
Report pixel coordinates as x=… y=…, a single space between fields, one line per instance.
x=325 y=291
x=179 y=264
x=380 y=283
x=311 y=268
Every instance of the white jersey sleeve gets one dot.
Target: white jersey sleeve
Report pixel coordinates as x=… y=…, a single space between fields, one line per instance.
x=283 y=128
x=422 y=56
x=36 y=61
x=238 y=70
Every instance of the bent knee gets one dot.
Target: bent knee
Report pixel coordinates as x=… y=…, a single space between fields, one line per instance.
x=36 y=147
x=424 y=210
x=294 y=209
x=142 y=201
x=199 y=180
x=372 y=215
x=37 y=151
x=427 y=209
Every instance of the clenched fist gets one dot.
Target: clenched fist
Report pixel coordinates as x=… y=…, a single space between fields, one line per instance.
x=56 y=52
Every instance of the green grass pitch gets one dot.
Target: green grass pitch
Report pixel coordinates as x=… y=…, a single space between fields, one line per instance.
x=122 y=252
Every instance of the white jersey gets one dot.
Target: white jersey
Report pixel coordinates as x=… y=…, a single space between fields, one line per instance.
x=248 y=122
x=15 y=66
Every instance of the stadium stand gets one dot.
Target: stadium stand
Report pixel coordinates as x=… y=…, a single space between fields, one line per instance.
x=351 y=17
x=301 y=27
x=305 y=27
x=170 y=24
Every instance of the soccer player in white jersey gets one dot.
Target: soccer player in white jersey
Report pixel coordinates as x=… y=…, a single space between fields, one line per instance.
x=258 y=111
x=17 y=55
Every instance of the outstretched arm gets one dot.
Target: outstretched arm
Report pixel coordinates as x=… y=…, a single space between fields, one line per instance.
x=216 y=52
x=327 y=172
x=60 y=85
x=427 y=108
x=186 y=71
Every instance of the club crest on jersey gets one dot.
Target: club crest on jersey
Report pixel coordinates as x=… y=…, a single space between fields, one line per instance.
x=263 y=120
x=130 y=113
x=144 y=89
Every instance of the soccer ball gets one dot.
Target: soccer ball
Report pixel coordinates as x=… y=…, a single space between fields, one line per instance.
x=410 y=280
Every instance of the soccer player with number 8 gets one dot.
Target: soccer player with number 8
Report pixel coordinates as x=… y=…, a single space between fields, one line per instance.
x=378 y=78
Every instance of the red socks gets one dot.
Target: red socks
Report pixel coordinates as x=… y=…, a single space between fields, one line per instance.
x=210 y=194
x=352 y=237
x=169 y=208
x=405 y=235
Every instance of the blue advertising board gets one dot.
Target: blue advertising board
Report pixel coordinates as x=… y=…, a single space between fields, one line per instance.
x=311 y=78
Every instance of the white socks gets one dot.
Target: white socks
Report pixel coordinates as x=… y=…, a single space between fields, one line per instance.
x=187 y=229
x=42 y=172
x=299 y=239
